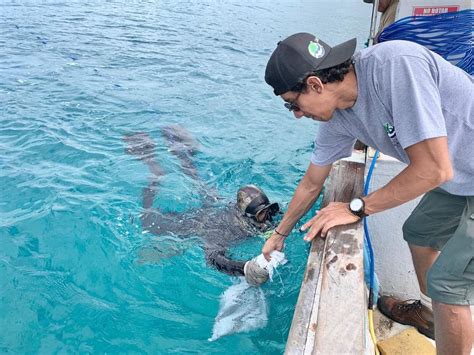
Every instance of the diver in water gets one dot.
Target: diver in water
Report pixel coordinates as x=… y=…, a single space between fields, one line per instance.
x=219 y=227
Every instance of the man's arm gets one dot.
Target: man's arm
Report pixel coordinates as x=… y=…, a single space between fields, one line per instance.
x=305 y=195
x=430 y=166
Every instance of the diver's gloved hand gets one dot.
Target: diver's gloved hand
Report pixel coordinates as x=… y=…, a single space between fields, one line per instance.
x=254 y=274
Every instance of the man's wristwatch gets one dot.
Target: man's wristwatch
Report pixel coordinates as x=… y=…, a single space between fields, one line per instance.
x=357 y=207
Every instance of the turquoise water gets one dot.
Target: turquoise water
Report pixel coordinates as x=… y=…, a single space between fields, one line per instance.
x=75 y=77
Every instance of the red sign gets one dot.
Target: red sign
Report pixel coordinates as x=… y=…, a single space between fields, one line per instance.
x=434 y=10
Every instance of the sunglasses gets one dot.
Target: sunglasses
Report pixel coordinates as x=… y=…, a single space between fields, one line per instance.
x=291 y=106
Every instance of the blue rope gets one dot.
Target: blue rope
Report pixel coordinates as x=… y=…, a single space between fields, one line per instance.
x=449 y=35
x=367 y=236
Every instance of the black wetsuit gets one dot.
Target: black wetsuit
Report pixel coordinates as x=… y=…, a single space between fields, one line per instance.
x=219 y=228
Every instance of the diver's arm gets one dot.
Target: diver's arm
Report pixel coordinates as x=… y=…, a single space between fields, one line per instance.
x=305 y=196
x=218 y=259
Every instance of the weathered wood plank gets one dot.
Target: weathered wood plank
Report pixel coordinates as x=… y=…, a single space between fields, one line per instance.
x=341 y=313
x=322 y=321
x=342 y=307
x=301 y=319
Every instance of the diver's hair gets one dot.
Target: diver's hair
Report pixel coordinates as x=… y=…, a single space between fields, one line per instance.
x=328 y=75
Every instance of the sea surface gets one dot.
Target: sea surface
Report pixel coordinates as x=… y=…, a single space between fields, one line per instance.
x=77 y=272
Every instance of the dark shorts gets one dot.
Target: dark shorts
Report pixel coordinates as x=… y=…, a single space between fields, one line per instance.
x=445 y=222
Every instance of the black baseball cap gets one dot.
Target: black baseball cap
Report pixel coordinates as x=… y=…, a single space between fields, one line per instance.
x=301 y=54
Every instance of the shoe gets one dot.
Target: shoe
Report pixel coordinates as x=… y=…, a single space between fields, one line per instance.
x=410 y=312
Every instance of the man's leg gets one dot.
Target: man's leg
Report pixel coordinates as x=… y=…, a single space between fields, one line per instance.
x=423 y=258
x=153 y=220
x=183 y=146
x=427 y=230
x=454 y=328
x=450 y=284
x=142 y=147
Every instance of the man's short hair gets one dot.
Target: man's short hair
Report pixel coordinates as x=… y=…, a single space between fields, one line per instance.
x=329 y=75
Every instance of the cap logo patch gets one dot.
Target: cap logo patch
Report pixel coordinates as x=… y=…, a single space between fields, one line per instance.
x=316 y=50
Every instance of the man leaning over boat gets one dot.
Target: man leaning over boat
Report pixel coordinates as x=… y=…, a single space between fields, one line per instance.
x=411 y=104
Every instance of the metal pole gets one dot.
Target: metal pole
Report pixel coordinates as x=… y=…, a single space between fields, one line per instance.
x=373 y=22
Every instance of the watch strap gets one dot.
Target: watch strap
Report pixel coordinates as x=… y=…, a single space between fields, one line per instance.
x=361 y=214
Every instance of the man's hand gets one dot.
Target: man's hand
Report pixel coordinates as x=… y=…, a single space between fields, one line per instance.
x=334 y=214
x=275 y=242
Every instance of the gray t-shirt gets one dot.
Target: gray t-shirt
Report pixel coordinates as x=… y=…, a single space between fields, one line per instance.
x=406 y=94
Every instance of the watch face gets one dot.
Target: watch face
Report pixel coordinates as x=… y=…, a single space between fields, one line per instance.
x=356 y=205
